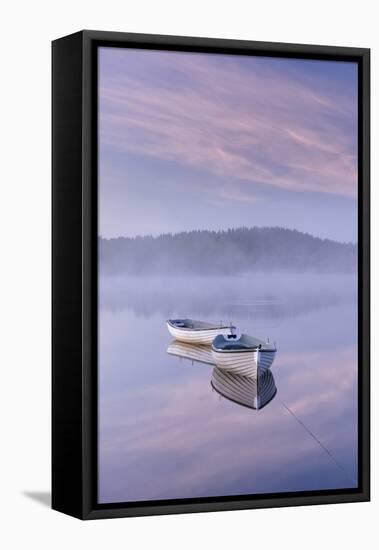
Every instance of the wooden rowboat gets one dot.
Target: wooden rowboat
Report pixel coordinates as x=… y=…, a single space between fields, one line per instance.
x=197 y=332
x=244 y=355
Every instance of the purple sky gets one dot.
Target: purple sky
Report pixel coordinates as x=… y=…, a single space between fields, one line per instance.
x=200 y=141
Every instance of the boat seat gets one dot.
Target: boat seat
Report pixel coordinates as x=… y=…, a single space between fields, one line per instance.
x=243 y=343
x=235 y=346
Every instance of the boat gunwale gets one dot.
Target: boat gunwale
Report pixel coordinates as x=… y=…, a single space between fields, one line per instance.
x=261 y=346
x=243 y=350
x=211 y=327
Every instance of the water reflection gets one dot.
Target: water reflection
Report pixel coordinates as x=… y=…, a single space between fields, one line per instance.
x=252 y=392
x=194 y=352
x=163 y=432
x=261 y=298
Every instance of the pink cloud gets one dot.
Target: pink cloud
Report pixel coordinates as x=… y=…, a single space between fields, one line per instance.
x=262 y=128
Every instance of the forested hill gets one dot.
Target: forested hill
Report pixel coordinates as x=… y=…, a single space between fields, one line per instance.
x=233 y=251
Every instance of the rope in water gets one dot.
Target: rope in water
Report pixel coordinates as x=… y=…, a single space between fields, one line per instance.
x=325 y=449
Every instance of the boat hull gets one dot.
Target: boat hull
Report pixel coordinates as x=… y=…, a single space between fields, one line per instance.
x=202 y=337
x=244 y=363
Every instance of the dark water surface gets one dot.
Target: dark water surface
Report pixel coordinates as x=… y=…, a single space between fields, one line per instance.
x=165 y=433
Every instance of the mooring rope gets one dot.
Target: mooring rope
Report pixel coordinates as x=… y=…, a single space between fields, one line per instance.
x=325 y=449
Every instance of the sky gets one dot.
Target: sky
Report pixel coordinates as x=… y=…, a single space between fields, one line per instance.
x=203 y=141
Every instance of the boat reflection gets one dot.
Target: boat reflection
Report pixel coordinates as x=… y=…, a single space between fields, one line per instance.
x=196 y=353
x=247 y=391
x=254 y=393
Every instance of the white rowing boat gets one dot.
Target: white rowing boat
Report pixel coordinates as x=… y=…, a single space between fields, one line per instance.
x=197 y=332
x=244 y=355
x=254 y=393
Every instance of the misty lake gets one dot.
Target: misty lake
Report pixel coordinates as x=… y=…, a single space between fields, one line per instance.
x=166 y=433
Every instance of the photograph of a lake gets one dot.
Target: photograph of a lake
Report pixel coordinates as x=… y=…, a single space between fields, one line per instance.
x=227 y=194
x=164 y=433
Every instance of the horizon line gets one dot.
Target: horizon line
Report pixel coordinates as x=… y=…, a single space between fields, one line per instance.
x=238 y=228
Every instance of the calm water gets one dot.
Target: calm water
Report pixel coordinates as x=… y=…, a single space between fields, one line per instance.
x=165 y=433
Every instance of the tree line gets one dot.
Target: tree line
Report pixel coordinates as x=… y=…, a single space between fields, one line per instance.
x=231 y=251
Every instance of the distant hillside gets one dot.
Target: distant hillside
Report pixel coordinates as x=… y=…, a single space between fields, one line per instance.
x=225 y=252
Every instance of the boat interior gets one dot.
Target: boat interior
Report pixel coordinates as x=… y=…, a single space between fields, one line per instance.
x=242 y=343
x=191 y=324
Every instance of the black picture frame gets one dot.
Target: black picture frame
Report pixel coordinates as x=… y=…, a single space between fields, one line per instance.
x=74 y=273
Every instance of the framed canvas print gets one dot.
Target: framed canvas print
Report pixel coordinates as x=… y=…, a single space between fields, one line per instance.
x=210 y=275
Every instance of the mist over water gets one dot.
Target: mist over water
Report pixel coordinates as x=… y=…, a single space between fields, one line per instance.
x=241 y=250
x=165 y=433
x=258 y=296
